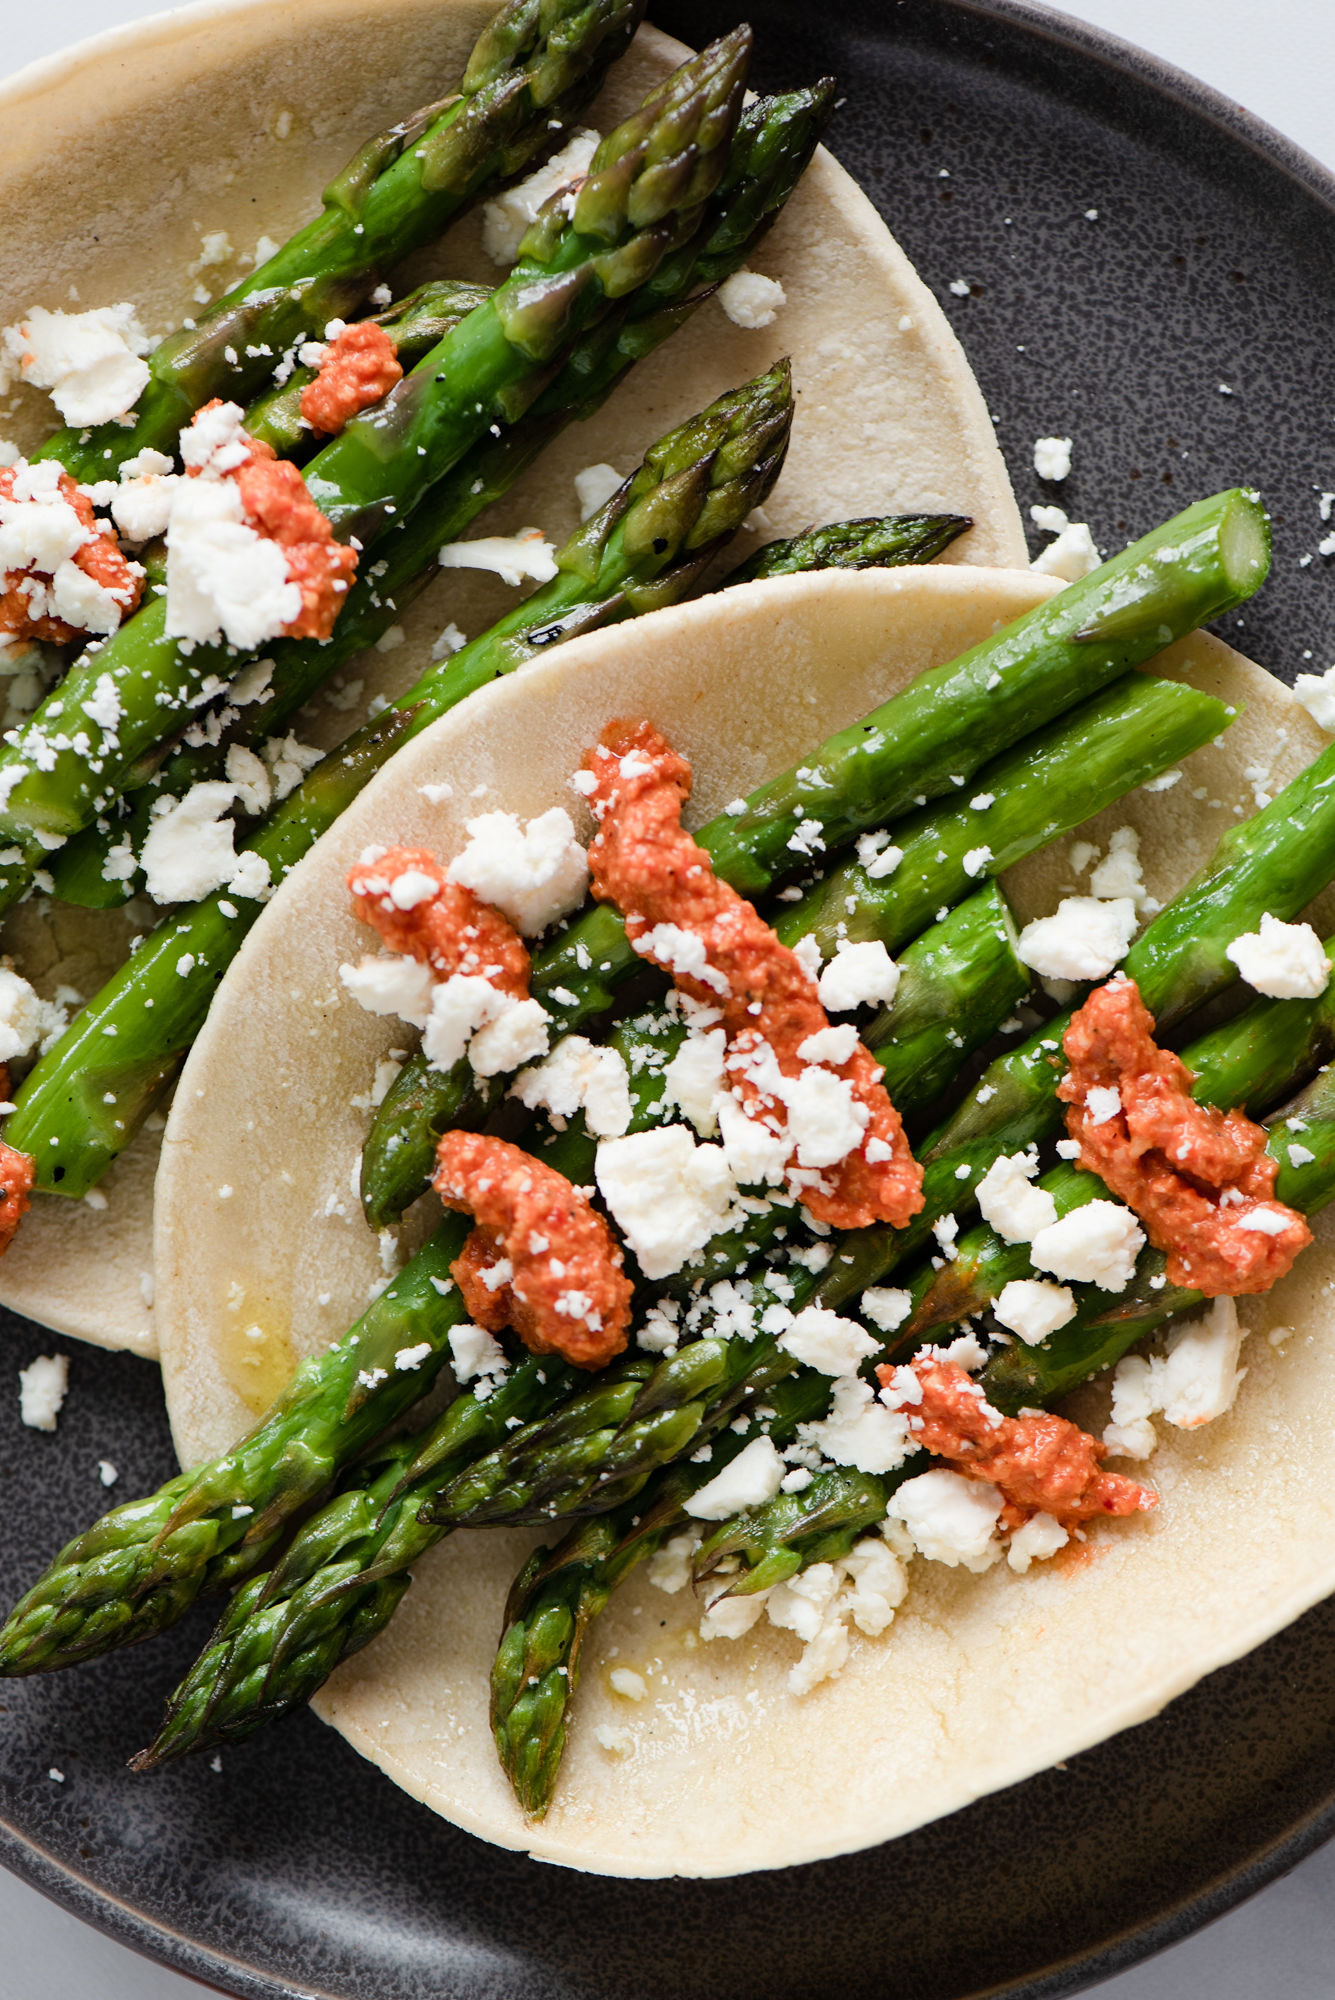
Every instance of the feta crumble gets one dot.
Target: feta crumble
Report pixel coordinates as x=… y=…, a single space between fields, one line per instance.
x=1039 y=1538
x=860 y=1430
x=667 y=1194
x=90 y=361
x=397 y=984
x=860 y=975
x=1032 y=1308
x=511 y=557
x=594 y=487
x=506 y=218
x=1283 y=960
x=828 y=1342
x=950 y=1519
x=534 y=874
x=669 y=1570
x=1193 y=1381
x=693 y=1080
x=750 y=300
x=42 y=1387
x=1009 y=1204
x=749 y=1480
x=886 y=1308
x=224 y=579
x=1097 y=1244
x=1052 y=457
x=26 y=1020
x=1071 y=556
x=1316 y=692
x=188 y=851
x=580 y=1076
x=1083 y=939
x=474 y=1353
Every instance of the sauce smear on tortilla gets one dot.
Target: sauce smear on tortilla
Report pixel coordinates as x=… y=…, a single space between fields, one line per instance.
x=1200 y=1179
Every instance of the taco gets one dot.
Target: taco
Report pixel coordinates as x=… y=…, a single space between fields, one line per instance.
x=890 y=416
x=689 y=1757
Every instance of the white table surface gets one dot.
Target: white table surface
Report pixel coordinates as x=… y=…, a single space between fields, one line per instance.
x=1279 y=60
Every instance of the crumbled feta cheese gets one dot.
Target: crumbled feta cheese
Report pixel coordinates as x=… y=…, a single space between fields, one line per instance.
x=859 y=1430
x=667 y=1194
x=670 y=1568
x=188 y=851
x=1118 y=874
x=249 y=775
x=887 y=1309
x=391 y=985
x=251 y=684
x=1102 y=1102
x=288 y=762
x=1192 y=1382
x=474 y=1353
x=1316 y=692
x=506 y=218
x=834 y=1046
x=498 y=1032
x=828 y=1342
x=1130 y=1434
x=693 y=1080
x=141 y=508
x=1071 y=556
x=1083 y=939
x=858 y=976
x=617 y=1742
x=800 y=1605
x=1197 y=1378
x=25 y=1018
x=1283 y=960
x=534 y=874
x=732 y=1617
x=448 y=642
x=1009 y=1204
x=1097 y=1244
x=1051 y=520
x=511 y=557
x=950 y=1519
x=750 y=300
x=680 y=951
x=1052 y=457
x=107 y=1472
x=90 y=361
x=1033 y=1308
x=594 y=487
x=407 y=1360
x=877 y=855
x=825 y=1120
x=1039 y=1538
x=580 y=1076
x=748 y=1480
x=224 y=580
x=42 y=1387
x=627 y=1683
x=756 y=1155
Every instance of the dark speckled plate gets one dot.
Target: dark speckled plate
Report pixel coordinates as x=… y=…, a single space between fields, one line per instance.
x=985 y=133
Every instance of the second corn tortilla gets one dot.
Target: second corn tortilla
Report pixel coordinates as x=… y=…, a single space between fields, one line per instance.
x=978 y=1682
x=254 y=111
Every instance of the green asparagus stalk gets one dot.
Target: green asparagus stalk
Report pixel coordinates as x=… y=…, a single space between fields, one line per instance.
x=559 y=1592
x=921 y=744
x=776 y=137
x=864 y=544
x=532 y=71
x=83 y=1101
x=642 y=199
